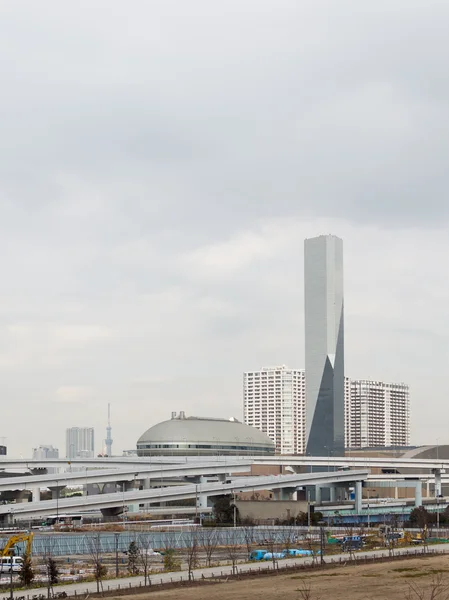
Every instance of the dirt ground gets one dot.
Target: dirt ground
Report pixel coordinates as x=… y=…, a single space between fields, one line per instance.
x=386 y=581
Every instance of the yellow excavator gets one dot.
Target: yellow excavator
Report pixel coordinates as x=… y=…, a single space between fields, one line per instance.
x=8 y=550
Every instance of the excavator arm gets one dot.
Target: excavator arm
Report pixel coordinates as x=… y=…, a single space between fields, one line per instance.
x=16 y=539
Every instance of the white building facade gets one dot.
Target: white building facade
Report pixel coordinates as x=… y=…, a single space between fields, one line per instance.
x=80 y=442
x=274 y=401
x=377 y=414
x=44 y=452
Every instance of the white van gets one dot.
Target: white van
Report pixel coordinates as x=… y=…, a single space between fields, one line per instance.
x=5 y=564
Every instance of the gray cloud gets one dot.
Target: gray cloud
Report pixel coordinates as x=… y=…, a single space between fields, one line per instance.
x=160 y=167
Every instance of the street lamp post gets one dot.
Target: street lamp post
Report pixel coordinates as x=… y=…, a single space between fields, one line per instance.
x=123 y=503
x=308 y=510
x=438 y=513
x=368 y=508
x=57 y=502
x=196 y=503
x=321 y=524
x=11 y=584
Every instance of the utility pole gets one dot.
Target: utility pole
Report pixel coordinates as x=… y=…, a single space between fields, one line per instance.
x=235 y=511
x=116 y=553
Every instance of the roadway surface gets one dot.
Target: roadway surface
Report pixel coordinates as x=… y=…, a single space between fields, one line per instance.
x=159 y=471
x=177 y=493
x=282 y=460
x=113 y=584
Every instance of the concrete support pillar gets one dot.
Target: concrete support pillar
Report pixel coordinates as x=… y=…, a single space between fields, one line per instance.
x=202 y=501
x=56 y=491
x=332 y=493
x=418 y=494
x=22 y=496
x=358 y=497
x=428 y=489
x=318 y=494
x=129 y=486
x=202 y=498
x=36 y=494
x=396 y=492
x=146 y=483
x=277 y=494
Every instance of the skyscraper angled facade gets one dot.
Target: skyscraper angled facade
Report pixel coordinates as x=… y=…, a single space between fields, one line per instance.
x=324 y=346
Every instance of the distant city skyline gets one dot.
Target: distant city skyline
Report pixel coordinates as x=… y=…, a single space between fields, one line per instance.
x=45 y=451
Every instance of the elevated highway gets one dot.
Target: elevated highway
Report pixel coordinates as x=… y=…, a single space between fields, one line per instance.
x=197 y=468
x=176 y=493
x=300 y=461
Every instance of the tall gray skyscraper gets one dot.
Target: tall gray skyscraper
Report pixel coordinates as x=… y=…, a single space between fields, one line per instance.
x=79 y=442
x=324 y=336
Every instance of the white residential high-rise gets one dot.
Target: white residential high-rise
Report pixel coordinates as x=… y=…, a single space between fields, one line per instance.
x=275 y=402
x=44 y=452
x=377 y=414
x=80 y=442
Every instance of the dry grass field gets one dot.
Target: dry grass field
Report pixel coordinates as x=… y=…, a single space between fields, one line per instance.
x=386 y=581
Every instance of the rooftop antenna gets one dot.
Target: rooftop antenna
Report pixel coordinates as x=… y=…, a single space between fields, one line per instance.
x=108 y=440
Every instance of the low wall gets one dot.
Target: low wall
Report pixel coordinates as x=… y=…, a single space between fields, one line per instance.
x=270 y=509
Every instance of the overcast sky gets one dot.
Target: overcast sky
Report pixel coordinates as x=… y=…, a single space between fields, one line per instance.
x=162 y=163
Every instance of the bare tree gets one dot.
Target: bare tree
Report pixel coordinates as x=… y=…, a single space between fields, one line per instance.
x=248 y=534
x=308 y=543
x=273 y=546
x=232 y=550
x=209 y=542
x=349 y=544
x=436 y=590
x=171 y=560
x=94 y=548
x=145 y=552
x=50 y=564
x=305 y=592
x=191 y=550
x=288 y=538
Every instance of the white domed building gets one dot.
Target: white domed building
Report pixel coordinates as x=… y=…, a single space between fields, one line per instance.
x=198 y=436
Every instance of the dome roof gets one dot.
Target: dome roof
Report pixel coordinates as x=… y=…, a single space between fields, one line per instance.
x=205 y=431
